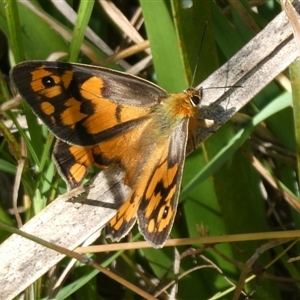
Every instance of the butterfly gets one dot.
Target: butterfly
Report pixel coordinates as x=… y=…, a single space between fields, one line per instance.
x=103 y=118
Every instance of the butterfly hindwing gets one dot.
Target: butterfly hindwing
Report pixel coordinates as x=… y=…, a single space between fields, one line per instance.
x=72 y=162
x=158 y=206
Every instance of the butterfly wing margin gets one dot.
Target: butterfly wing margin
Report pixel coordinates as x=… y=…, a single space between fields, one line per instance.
x=84 y=105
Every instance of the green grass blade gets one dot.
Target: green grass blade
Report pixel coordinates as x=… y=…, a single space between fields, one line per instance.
x=83 y=17
x=295 y=80
x=14 y=29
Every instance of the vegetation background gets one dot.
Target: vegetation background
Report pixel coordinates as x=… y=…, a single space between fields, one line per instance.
x=235 y=199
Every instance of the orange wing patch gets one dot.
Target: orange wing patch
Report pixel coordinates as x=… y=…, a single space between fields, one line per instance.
x=72 y=113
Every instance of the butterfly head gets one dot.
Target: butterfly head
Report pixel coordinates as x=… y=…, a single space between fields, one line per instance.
x=194 y=96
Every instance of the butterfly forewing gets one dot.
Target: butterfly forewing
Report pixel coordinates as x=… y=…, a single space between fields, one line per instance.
x=84 y=105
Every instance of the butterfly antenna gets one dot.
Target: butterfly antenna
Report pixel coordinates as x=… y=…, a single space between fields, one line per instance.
x=199 y=51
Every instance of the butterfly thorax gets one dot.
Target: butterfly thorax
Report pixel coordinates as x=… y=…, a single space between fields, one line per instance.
x=172 y=110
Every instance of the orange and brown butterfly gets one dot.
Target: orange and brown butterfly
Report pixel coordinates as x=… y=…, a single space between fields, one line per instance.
x=103 y=117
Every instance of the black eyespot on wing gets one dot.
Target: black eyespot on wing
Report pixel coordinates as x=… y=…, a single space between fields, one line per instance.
x=48 y=81
x=166 y=211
